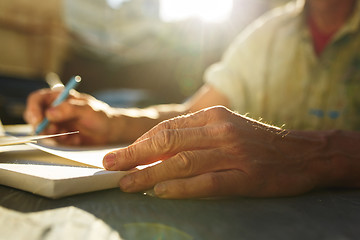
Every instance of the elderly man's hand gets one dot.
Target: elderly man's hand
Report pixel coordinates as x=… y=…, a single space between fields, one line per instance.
x=215 y=152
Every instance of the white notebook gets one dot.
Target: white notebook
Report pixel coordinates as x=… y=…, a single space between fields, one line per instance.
x=55 y=172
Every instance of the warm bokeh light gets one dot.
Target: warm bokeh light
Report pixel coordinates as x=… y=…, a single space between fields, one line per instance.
x=206 y=10
x=115 y=3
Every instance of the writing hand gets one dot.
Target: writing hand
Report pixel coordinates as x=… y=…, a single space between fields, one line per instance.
x=80 y=112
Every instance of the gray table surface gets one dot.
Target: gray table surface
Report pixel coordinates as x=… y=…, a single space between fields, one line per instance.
x=112 y=214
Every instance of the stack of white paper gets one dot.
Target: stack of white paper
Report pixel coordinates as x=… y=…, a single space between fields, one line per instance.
x=52 y=171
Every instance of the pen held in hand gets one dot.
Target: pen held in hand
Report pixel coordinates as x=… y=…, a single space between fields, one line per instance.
x=74 y=81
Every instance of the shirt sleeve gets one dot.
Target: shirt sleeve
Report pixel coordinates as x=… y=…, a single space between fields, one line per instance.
x=232 y=76
x=240 y=73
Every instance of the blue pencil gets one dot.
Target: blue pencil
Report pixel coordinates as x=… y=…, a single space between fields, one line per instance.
x=73 y=82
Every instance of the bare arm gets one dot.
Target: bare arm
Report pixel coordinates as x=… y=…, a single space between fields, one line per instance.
x=98 y=123
x=216 y=152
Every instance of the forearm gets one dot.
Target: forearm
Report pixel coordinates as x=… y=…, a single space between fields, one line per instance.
x=130 y=123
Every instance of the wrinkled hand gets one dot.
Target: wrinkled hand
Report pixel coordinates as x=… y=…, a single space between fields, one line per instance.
x=215 y=152
x=80 y=112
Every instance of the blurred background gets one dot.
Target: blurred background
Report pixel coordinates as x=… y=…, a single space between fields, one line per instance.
x=128 y=52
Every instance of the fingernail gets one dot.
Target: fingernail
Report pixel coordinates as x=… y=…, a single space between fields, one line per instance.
x=126 y=182
x=160 y=189
x=109 y=160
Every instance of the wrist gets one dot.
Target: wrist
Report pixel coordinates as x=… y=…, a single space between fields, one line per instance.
x=335 y=162
x=309 y=151
x=117 y=130
x=126 y=125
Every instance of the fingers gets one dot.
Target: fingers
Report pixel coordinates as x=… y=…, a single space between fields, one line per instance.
x=61 y=119
x=210 y=184
x=39 y=103
x=36 y=103
x=182 y=165
x=213 y=184
x=163 y=145
x=67 y=111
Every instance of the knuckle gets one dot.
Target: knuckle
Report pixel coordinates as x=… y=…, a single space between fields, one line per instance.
x=228 y=131
x=129 y=153
x=184 y=163
x=218 y=112
x=165 y=125
x=33 y=97
x=165 y=140
x=228 y=128
x=147 y=176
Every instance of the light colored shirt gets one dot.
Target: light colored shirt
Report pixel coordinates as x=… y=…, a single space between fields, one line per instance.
x=272 y=73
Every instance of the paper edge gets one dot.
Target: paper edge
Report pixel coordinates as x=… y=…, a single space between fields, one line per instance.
x=58 y=188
